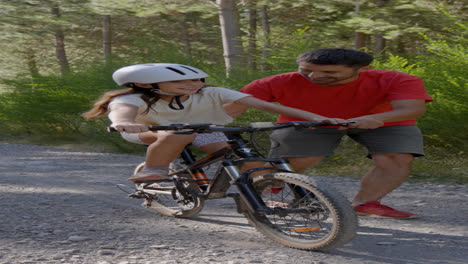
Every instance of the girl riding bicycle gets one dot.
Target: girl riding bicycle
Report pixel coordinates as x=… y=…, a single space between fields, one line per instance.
x=166 y=93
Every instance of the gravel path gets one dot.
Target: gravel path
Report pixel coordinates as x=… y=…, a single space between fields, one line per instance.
x=61 y=206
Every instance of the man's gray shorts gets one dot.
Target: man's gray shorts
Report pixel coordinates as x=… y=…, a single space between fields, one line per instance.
x=290 y=142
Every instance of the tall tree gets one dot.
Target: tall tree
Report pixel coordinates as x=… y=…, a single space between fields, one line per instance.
x=32 y=63
x=231 y=34
x=266 y=36
x=359 y=37
x=252 y=35
x=185 y=35
x=379 y=37
x=107 y=38
x=60 y=41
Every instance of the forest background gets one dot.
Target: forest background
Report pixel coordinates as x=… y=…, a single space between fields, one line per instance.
x=57 y=57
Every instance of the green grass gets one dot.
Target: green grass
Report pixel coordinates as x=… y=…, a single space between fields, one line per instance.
x=439 y=165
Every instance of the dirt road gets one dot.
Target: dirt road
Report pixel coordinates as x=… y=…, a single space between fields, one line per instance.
x=61 y=206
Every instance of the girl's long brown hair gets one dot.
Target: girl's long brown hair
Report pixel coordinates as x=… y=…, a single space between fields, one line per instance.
x=101 y=106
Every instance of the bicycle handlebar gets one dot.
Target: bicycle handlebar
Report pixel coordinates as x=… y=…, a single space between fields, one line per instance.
x=253 y=127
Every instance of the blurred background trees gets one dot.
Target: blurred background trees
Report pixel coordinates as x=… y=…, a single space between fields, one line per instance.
x=57 y=56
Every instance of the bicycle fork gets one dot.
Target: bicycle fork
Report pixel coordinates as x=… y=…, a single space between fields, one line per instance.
x=246 y=190
x=251 y=197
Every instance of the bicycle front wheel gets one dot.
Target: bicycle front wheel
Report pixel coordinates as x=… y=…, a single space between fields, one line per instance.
x=306 y=214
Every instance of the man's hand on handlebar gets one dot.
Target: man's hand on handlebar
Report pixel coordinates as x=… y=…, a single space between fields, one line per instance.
x=332 y=121
x=365 y=122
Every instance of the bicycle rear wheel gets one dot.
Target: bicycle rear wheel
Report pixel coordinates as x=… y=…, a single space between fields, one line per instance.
x=182 y=201
x=308 y=215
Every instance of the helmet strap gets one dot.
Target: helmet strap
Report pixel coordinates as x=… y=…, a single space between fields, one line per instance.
x=180 y=106
x=175 y=97
x=175 y=103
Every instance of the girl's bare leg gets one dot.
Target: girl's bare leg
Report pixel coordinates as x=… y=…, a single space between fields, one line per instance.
x=164 y=147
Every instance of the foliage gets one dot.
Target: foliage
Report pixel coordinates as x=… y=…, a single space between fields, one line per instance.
x=397 y=63
x=447 y=81
x=399 y=21
x=47 y=102
x=37 y=103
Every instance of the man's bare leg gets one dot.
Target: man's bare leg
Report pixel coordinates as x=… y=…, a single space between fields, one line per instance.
x=300 y=164
x=389 y=172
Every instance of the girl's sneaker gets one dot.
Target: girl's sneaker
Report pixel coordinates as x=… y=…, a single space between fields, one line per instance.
x=375 y=208
x=151 y=174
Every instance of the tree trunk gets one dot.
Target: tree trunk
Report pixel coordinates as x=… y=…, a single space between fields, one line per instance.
x=107 y=38
x=60 y=44
x=32 y=65
x=360 y=40
x=379 y=43
x=230 y=32
x=266 y=37
x=252 y=58
x=359 y=37
x=379 y=40
x=185 y=36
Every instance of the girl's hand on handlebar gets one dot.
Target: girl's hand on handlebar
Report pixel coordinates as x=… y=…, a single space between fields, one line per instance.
x=130 y=127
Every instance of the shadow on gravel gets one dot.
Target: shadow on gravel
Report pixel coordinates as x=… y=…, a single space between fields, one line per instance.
x=215 y=219
x=383 y=245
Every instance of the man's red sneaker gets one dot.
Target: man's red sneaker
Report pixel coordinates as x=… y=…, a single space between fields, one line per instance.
x=375 y=208
x=276 y=190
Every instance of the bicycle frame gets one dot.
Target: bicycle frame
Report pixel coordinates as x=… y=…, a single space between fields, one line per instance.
x=229 y=174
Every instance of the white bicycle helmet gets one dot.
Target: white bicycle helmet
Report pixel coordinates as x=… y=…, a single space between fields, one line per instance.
x=155 y=73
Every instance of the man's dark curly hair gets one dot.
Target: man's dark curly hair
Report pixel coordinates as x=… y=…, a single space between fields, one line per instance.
x=351 y=58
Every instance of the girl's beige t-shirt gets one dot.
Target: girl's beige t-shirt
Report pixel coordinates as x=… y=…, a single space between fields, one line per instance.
x=206 y=106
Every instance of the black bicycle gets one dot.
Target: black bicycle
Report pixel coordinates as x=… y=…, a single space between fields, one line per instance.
x=292 y=209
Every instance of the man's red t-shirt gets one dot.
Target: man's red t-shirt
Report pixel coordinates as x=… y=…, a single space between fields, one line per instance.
x=371 y=93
